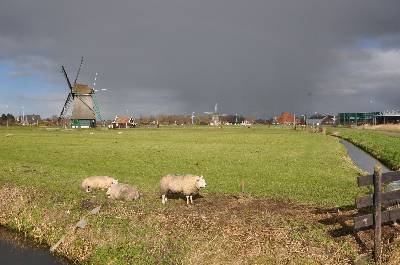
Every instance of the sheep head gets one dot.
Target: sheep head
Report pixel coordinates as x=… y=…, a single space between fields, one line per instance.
x=200 y=182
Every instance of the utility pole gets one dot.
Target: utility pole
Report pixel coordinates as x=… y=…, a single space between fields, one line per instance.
x=23 y=115
x=294 y=121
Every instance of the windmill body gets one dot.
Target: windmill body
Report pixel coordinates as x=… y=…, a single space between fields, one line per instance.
x=83 y=107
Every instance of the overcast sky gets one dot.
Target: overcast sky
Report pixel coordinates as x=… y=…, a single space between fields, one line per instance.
x=255 y=57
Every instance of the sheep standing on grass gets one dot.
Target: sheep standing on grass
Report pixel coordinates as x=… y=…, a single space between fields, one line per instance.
x=97 y=182
x=124 y=192
x=185 y=184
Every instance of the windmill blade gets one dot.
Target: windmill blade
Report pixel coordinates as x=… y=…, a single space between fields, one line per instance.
x=79 y=70
x=66 y=106
x=66 y=78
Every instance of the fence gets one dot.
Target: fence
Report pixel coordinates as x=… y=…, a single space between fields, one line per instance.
x=377 y=200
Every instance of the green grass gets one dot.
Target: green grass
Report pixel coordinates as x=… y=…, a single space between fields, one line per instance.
x=307 y=168
x=385 y=148
x=40 y=195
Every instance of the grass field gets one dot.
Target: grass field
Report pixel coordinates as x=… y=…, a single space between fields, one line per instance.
x=385 y=148
x=288 y=175
x=281 y=163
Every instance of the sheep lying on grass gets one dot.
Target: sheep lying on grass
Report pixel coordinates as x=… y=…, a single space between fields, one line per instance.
x=97 y=182
x=185 y=184
x=118 y=191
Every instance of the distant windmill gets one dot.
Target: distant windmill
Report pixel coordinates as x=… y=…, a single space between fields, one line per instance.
x=85 y=109
x=215 y=118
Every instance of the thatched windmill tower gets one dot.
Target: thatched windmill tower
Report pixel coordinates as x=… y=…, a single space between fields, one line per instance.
x=85 y=109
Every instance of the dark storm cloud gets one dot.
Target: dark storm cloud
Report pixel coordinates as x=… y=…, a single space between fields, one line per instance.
x=177 y=56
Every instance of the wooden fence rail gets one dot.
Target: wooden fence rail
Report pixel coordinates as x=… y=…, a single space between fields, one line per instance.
x=377 y=200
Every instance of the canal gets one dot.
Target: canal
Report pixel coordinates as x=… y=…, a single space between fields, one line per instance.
x=17 y=250
x=362 y=159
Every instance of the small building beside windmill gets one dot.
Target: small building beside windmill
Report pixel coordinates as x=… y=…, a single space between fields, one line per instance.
x=123 y=122
x=215 y=120
x=83 y=108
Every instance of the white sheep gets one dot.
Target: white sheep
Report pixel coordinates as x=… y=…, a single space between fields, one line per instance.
x=185 y=184
x=97 y=182
x=119 y=191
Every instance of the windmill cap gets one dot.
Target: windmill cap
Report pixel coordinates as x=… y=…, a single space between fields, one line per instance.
x=82 y=89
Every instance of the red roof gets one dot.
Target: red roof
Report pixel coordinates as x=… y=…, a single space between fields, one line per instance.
x=285 y=118
x=122 y=119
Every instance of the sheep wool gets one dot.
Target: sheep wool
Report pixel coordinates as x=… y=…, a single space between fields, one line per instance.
x=184 y=184
x=124 y=192
x=97 y=182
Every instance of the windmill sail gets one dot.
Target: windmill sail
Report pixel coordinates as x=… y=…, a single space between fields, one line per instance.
x=70 y=96
x=79 y=70
x=66 y=78
x=66 y=106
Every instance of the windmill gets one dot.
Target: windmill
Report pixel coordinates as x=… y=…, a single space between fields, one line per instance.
x=85 y=109
x=215 y=118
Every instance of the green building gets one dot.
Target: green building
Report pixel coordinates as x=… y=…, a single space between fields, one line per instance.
x=357 y=118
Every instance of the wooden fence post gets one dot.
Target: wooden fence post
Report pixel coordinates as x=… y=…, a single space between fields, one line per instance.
x=377 y=177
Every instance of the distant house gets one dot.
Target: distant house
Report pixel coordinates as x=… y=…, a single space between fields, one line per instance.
x=29 y=119
x=123 y=122
x=215 y=120
x=286 y=118
x=329 y=120
x=246 y=123
x=320 y=119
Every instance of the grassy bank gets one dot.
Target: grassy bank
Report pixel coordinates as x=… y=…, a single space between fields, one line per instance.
x=287 y=174
x=385 y=148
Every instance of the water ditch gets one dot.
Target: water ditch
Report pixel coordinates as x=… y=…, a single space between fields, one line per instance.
x=17 y=250
x=362 y=159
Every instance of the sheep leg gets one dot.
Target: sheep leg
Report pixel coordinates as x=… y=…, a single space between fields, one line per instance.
x=191 y=199
x=187 y=199
x=163 y=199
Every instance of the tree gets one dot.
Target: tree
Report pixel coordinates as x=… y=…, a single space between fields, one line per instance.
x=7 y=119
